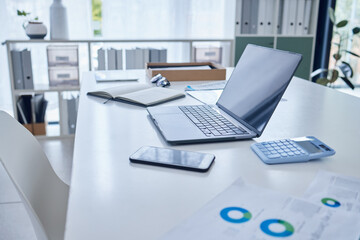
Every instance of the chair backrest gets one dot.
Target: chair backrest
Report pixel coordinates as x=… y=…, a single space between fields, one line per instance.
x=31 y=170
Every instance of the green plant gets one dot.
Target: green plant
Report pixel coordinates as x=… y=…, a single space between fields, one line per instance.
x=342 y=70
x=25 y=14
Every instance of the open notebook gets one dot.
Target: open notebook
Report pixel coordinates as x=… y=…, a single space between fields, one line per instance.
x=141 y=94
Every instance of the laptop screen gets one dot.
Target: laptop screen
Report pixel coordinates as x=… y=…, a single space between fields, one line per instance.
x=257 y=84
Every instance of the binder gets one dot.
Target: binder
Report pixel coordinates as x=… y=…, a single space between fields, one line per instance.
x=130 y=58
x=262 y=17
x=111 y=59
x=139 y=58
x=285 y=17
x=119 y=61
x=299 y=28
x=101 y=59
x=20 y=111
x=146 y=54
x=292 y=16
x=27 y=69
x=154 y=55
x=64 y=125
x=269 y=19
x=238 y=17
x=245 y=16
x=163 y=55
x=25 y=109
x=280 y=16
x=254 y=16
x=38 y=105
x=17 y=69
x=307 y=15
x=72 y=114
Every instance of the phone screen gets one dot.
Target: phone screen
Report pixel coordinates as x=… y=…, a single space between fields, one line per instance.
x=172 y=157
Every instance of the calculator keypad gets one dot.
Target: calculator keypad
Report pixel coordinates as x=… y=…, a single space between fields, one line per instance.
x=280 y=149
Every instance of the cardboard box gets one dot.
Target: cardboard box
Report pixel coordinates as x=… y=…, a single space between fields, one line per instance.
x=39 y=129
x=217 y=72
x=29 y=127
x=36 y=128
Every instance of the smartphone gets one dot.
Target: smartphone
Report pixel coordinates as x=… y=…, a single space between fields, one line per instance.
x=194 y=161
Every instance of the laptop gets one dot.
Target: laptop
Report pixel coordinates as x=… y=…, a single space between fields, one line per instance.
x=245 y=106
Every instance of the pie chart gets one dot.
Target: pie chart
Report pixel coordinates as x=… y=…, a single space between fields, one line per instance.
x=227 y=214
x=265 y=227
x=330 y=202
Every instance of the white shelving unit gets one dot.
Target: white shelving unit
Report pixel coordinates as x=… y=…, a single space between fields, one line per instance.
x=300 y=43
x=87 y=62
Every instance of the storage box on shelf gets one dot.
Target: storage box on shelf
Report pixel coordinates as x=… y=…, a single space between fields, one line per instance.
x=63 y=65
x=282 y=24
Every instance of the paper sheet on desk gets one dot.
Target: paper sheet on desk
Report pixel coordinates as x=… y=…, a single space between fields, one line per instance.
x=335 y=191
x=248 y=212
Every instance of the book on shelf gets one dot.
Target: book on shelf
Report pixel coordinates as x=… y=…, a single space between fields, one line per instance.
x=163 y=55
x=140 y=94
x=130 y=58
x=111 y=59
x=119 y=59
x=101 y=59
x=139 y=58
x=154 y=55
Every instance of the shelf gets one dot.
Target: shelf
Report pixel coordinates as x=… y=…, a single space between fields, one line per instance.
x=46 y=88
x=113 y=40
x=54 y=137
x=275 y=35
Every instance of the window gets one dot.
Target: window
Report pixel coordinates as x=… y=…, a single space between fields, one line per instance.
x=347 y=10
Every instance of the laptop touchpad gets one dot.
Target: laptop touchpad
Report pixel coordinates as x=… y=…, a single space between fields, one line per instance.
x=177 y=125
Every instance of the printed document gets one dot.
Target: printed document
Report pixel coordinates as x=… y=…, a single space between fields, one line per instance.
x=245 y=211
x=335 y=191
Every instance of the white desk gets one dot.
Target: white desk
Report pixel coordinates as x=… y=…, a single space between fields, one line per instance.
x=110 y=198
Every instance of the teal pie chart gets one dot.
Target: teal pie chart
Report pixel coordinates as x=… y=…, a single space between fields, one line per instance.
x=265 y=227
x=225 y=214
x=330 y=202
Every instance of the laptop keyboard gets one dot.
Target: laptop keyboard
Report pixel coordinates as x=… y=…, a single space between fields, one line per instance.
x=210 y=122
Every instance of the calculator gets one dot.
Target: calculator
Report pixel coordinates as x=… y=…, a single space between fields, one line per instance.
x=292 y=150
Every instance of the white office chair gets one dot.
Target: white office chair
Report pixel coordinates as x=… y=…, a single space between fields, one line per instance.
x=30 y=169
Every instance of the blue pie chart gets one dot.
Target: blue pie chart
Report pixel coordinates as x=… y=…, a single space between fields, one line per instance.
x=265 y=227
x=246 y=215
x=330 y=202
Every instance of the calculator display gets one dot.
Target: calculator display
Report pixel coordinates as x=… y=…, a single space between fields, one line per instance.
x=308 y=146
